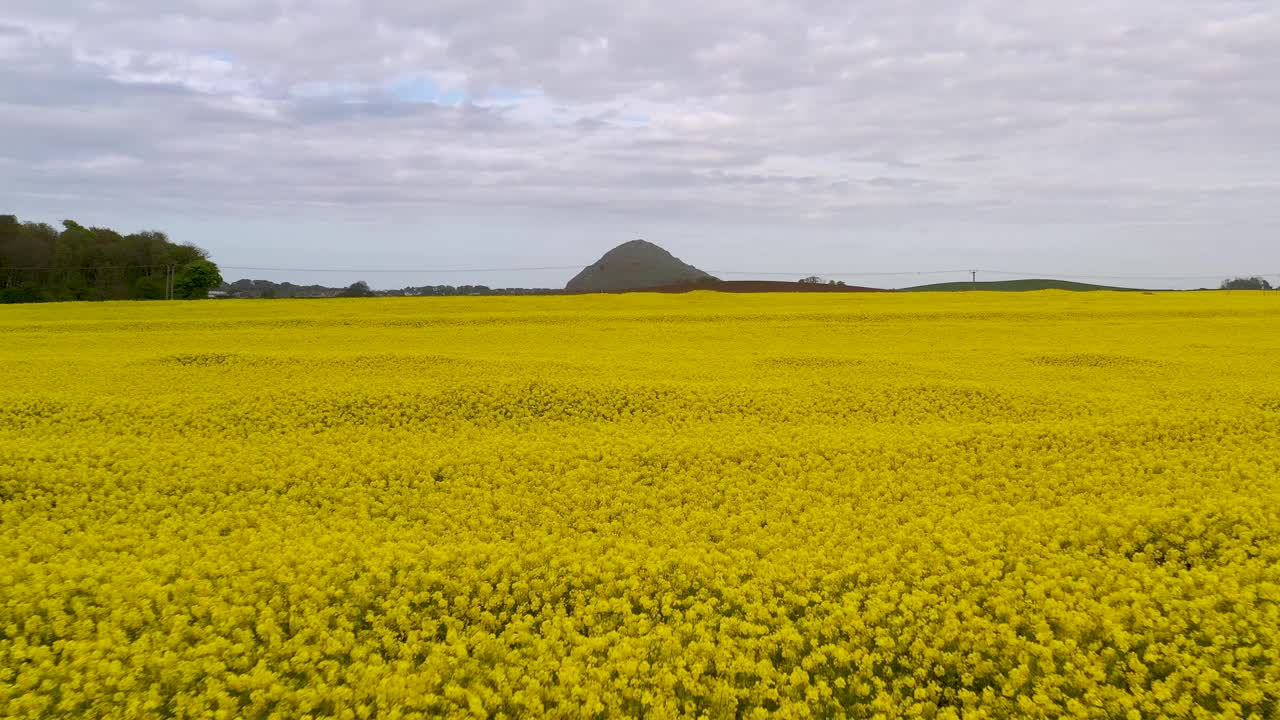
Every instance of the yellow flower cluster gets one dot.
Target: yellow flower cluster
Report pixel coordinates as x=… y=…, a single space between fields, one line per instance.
x=906 y=505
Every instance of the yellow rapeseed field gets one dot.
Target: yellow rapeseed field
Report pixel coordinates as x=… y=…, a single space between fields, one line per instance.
x=902 y=505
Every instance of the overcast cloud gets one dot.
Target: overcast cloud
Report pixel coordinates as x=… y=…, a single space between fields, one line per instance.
x=822 y=136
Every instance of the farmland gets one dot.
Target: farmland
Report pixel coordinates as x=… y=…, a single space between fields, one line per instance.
x=937 y=505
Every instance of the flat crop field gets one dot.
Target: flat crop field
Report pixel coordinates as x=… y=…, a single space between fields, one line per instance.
x=813 y=505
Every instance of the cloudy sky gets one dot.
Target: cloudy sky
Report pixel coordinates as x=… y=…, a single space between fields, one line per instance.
x=1089 y=137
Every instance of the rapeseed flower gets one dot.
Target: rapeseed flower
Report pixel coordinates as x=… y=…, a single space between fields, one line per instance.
x=916 y=505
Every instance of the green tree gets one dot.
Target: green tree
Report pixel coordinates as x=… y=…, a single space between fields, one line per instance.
x=1246 y=283
x=39 y=263
x=359 y=288
x=196 y=279
x=27 y=292
x=147 y=288
x=186 y=254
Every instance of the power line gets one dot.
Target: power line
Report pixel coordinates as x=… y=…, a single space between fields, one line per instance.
x=1047 y=275
x=411 y=271
x=85 y=267
x=541 y=268
x=899 y=273
x=292 y=269
x=1122 y=276
x=837 y=274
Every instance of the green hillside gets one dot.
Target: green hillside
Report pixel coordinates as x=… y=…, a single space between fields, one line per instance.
x=1013 y=285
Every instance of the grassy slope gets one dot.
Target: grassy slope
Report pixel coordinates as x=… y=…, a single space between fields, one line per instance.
x=1015 y=285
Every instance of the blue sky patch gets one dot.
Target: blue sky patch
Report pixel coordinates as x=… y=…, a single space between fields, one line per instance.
x=422 y=89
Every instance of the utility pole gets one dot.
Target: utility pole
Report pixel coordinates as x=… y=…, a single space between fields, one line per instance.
x=974 y=273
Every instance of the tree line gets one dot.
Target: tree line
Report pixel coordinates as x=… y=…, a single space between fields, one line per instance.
x=269 y=289
x=1246 y=283
x=39 y=263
